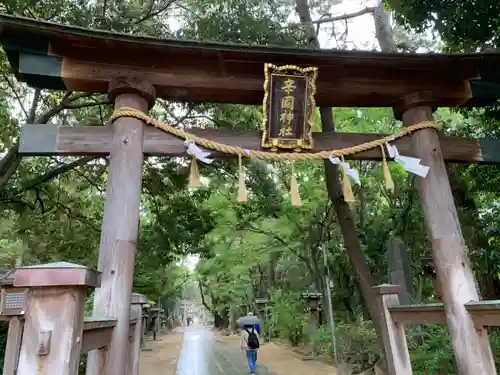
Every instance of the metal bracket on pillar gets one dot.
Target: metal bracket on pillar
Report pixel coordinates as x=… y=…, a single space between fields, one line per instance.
x=44 y=338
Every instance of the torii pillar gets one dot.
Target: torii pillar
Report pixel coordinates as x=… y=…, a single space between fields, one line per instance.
x=454 y=274
x=120 y=224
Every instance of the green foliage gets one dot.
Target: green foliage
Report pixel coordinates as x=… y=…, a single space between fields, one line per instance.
x=4 y=328
x=251 y=21
x=453 y=20
x=431 y=351
x=357 y=343
x=167 y=282
x=89 y=304
x=286 y=319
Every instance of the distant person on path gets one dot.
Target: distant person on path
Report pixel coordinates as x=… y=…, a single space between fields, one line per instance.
x=250 y=343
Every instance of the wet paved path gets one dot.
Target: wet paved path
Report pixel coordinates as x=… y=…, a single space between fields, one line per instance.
x=201 y=354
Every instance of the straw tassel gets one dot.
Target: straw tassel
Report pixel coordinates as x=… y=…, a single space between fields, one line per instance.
x=389 y=184
x=294 y=188
x=194 y=174
x=242 y=188
x=346 y=186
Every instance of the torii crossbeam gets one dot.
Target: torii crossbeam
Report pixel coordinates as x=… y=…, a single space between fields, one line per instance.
x=49 y=139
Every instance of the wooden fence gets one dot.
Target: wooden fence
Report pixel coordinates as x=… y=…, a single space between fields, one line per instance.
x=396 y=317
x=45 y=307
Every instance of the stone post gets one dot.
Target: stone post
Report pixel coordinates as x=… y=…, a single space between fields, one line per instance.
x=313 y=301
x=399 y=268
x=261 y=313
x=54 y=316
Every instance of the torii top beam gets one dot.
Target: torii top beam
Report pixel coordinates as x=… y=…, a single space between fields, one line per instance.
x=53 y=56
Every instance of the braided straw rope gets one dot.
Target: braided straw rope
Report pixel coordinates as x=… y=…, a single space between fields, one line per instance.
x=264 y=155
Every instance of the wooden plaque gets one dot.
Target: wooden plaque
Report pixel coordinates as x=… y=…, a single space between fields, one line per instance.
x=289 y=107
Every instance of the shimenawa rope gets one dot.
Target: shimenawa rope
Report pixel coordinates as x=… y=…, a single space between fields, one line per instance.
x=265 y=155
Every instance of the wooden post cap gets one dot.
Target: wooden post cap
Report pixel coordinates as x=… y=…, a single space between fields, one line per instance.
x=56 y=274
x=386 y=289
x=415 y=99
x=131 y=85
x=139 y=299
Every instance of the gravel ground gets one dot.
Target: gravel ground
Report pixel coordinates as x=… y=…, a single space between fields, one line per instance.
x=162 y=355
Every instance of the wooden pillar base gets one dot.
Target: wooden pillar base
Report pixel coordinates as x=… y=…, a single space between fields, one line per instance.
x=393 y=335
x=53 y=326
x=12 y=349
x=138 y=301
x=454 y=275
x=120 y=224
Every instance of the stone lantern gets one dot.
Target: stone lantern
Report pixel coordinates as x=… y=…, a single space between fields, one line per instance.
x=313 y=300
x=261 y=304
x=313 y=306
x=243 y=307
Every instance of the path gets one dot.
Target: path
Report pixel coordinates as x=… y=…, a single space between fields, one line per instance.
x=198 y=351
x=202 y=354
x=283 y=361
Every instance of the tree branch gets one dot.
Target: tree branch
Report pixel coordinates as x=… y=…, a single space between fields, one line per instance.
x=10 y=162
x=56 y=172
x=326 y=18
x=68 y=103
x=82 y=218
x=18 y=98
x=151 y=14
x=203 y=301
x=86 y=104
x=34 y=106
x=81 y=174
x=367 y=10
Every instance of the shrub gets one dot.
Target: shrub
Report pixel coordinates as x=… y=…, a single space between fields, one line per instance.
x=431 y=352
x=287 y=319
x=357 y=343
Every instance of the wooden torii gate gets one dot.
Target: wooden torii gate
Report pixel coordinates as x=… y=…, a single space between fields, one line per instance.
x=134 y=70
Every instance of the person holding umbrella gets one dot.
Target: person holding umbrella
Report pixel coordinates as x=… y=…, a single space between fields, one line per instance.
x=250 y=339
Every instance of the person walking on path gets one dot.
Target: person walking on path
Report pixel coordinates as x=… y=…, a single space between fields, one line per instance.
x=250 y=343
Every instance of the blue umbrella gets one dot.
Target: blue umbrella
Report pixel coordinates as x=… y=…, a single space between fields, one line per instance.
x=249 y=320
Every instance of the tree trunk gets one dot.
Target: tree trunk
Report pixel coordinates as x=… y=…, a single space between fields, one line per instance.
x=221 y=319
x=218 y=320
x=383 y=31
x=271 y=273
x=334 y=188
